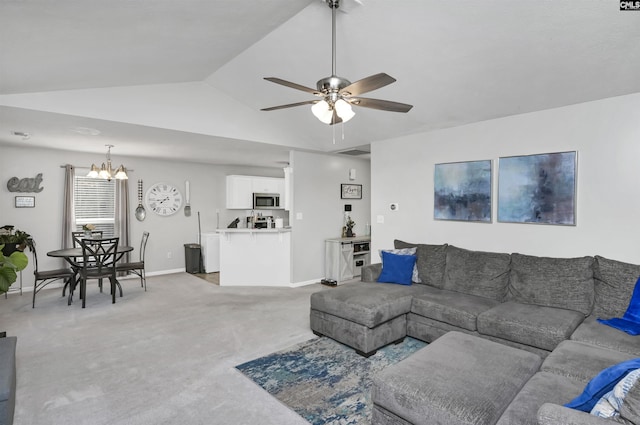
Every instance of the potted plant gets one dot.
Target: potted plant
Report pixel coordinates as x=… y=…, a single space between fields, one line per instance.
x=10 y=266
x=349 y=225
x=13 y=240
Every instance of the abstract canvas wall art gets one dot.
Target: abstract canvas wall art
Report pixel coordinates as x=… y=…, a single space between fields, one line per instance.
x=462 y=191
x=538 y=189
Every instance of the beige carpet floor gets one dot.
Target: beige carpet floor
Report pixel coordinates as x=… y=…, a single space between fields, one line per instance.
x=165 y=356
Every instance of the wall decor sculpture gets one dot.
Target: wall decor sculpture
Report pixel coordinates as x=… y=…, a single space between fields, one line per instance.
x=462 y=191
x=26 y=184
x=538 y=189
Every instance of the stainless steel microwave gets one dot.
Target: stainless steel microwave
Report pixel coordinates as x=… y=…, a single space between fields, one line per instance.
x=266 y=201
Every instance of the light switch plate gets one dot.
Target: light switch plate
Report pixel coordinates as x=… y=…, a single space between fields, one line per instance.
x=380 y=219
x=299 y=216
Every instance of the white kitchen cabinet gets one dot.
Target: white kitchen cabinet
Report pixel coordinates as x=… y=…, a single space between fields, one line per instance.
x=267 y=185
x=240 y=190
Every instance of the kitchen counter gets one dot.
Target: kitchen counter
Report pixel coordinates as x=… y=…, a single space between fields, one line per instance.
x=255 y=257
x=245 y=230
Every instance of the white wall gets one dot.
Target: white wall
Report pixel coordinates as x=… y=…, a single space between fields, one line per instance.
x=168 y=234
x=316 y=195
x=606 y=135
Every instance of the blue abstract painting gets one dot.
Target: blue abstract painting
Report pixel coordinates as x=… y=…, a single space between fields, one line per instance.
x=538 y=189
x=462 y=191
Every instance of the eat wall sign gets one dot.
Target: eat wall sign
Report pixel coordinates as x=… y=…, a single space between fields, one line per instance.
x=26 y=184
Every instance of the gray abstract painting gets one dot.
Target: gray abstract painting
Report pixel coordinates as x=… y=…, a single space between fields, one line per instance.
x=462 y=191
x=538 y=189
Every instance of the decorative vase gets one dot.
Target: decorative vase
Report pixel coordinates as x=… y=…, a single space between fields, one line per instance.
x=87 y=234
x=349 y=232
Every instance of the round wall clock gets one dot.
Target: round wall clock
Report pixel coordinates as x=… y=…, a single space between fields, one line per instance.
x=163 y=199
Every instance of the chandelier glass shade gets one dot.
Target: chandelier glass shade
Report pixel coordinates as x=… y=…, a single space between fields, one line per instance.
x=106 y=171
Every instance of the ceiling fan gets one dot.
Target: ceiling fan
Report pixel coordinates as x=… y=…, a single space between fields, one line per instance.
x=338 y=94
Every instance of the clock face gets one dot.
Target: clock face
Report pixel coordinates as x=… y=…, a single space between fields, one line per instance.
x=163 y=199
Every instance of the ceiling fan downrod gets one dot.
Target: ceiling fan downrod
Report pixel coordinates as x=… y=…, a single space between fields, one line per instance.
x=330 y=86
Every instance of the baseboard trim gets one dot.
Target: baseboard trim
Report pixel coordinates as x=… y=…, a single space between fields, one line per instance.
x=304 y=283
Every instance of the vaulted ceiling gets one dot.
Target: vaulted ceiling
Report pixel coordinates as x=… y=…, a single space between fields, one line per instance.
x=184 y=79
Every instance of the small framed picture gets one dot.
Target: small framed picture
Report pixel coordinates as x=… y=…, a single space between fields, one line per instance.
x=351 y=191
x=25 y=201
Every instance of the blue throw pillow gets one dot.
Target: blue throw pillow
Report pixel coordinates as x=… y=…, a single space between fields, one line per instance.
x=602 y=384
x=397 y=268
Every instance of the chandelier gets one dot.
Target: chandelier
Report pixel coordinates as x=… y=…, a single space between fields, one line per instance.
x=106 y=171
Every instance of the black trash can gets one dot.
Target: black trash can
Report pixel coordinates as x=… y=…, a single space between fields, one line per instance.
x=192 y=257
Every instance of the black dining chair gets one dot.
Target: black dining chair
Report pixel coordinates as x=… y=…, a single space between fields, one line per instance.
x=99 y=262
x=45 y=277
x=137 y=267
x=77 y=236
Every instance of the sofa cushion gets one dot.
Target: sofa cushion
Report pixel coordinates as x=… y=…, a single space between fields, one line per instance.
x=581 y=362
x=451 y=307
x=485 y=274
x=430 y=262
x=396 y=268
x=457 y=379
x=542 y=388
x=529 y=324
x=592 y=332
x=368 y=304
x=553 y=282
x=614 y=284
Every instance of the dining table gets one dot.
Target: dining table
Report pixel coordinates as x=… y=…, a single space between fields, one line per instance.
x=71 y=255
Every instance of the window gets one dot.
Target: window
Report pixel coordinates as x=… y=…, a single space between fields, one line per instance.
x=94 y=203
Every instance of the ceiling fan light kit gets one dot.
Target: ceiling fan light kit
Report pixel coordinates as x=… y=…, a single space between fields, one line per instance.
x=339 y=94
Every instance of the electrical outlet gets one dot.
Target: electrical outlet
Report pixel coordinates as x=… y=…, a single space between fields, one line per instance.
x=169 y=255
x=380 y=219
x=299 y=216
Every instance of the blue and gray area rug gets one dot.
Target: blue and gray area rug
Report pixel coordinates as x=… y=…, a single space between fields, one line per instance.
x=324 y=381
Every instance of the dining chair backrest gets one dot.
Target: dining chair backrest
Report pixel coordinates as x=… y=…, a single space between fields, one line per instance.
x=100 y=255
x=143 y=245
x=77 y=236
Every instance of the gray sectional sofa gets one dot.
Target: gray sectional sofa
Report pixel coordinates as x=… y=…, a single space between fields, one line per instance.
x=544 y=306
x=7 y=379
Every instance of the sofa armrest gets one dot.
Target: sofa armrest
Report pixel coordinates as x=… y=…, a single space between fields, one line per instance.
x=371 y=272
x=554 y=414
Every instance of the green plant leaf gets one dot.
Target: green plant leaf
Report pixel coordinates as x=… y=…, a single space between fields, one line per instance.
x=19 y=260
x=7 y=277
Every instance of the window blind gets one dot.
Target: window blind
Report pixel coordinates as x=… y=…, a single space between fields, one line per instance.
x=94 y=203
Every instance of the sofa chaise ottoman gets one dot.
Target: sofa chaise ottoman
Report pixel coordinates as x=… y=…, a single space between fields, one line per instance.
x=459 y=379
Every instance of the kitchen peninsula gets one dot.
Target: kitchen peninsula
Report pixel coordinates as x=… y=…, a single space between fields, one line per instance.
x=255 y=257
